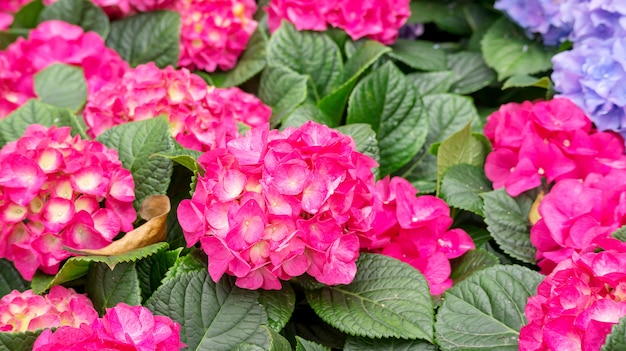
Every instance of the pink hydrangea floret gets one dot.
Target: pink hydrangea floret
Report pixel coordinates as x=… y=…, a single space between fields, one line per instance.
x=214 y=32
x=275 y=205
x=57 y=190
x=416 y=230
x=26 y=311
x=579 y=302
x=201 y=117
x=123 y=327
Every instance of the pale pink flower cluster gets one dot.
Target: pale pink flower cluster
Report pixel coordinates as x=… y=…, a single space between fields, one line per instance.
x=54 y=42
x=416 y=230
x=123 y=8
x=201 y=117
x=214 y=32
x=57 y=190
x=375 y=19
x=26 y=311
x=579 y=302
x=123 y=327
x=7 y=9
x=275 y=205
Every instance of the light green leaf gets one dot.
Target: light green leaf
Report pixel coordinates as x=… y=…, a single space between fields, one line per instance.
x=486 y=311
x=419 y=54
x=10 y=278
x=620 y=233
x=63 y=86
x=387 y=101
x=462 y=185
x=18 y=341
x=524 y=80
x=304 y=113
x=616 y=340
x=387 y=298
x=106 y=288
x=35 y=112
x=364 y=138
x=471 y=262
x=507 y=50
x=145 y=37
x=306 y=345
x=312 y=54
x=137 y=144
x=432 y=82
x=283 y=90
x=185 y=157
x=152 y=270
x=213 y=316
x=470 y=72
x=82 y=13
x=279 y=305
x=251 y=62
x=358 y=344
x=507 y=221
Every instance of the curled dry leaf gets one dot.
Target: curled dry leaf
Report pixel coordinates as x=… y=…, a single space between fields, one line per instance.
x=534 y=215
x=154 y=209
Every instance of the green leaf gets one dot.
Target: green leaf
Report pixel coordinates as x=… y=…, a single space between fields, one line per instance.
x=35 y=112
x=461 y=147
x=18 y=341
x=616 y=340
x=304 y=113
x=213 y=316
x=145 y=37
x=312 y=54
x=137 y=143
x=10 y=278
x=8 y=36
x=470 y=72
x=419 y=54
x=364 y=138
x=507 y=221
x=334 y=104
x=387 y=298
x=306 y=345
x=279 y=305
x=152 y=270
x=471 y=262
x=251 y=62
x=432 y=82
x=193 y=261
x=524 y=81
x=358 y=344
x=283 y=90
x=63 y=86
x=486 y=311
x=462 y=185
x=28 y=15
x=620 y=233
x=276 y=342
x=507 y=50
x=185 y=157
x=78 y=266
x=449 y=17
x=106 y=288
x=387 y=101
x=82 y=13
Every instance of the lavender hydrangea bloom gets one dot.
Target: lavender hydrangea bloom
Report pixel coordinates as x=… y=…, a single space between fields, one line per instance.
x=599 y=19
x=593 y=75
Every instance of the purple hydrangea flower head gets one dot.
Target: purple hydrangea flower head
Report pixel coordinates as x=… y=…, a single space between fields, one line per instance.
x=599 y=19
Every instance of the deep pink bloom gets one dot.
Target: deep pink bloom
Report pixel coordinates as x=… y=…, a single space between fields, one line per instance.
x=275 y=205
x=58 y=190
x=304 y=14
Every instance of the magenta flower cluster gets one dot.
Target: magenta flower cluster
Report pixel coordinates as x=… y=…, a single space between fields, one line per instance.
x=375 y=19
x=201 y=117
x=57 y=190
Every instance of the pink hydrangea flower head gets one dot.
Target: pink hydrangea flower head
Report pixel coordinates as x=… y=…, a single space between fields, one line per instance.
x=416 y=230
x=275 y=205
x=214 y=32
x=25 y=311
x=57 y=190
x=304 y=14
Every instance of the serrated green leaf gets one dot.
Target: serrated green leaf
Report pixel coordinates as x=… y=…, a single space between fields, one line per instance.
x=137 y=143
x=304 y=113
x=462 y=185
x=507 y=49
x=358 y=344
x=616 y=340
x=387 y=298
x=306 y=345
x=524 y=80
x=193 y=261
x=147 y=37
x=312 y=54
x=279 y=305
x=82 y=13
x=276 y=342
x=486 y=311
x=213 y=316
x=334 y=104
x=63 y=86
x=10 y=278
x=283 y=90
x=78 y=266
x=35 y=112
x=18 y=341
x=471 y=73
x=28 y=15
x=106 y=288
x=471 y=262
x=251 y=62
x=419 y=54
x=364 y=137
x=152 y=270
x=507 y=221
x=432 y=82
x=388 y=102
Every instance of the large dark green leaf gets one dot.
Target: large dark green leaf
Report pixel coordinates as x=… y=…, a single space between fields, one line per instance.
x=283 y=90
x=470 y=72
x=10 y=278
x=107 y=287
x=419 y=54
x=83 y=13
